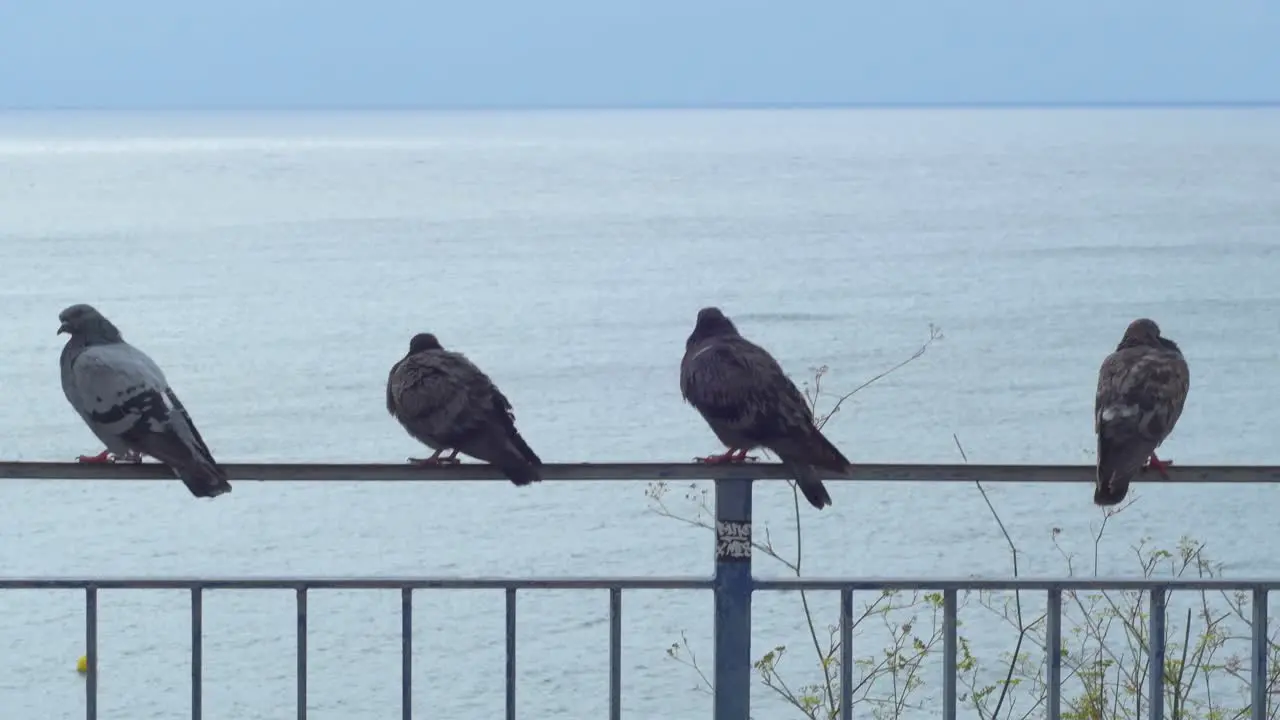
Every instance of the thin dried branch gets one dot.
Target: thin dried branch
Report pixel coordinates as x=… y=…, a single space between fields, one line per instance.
x=935 y=333
x=1023 y=628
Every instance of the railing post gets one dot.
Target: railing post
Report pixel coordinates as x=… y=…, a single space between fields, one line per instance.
x=91 y=652
x=1156 y=641
x=732 y=677
x=950 y=653
x=1053 y=655
x=1259 y=689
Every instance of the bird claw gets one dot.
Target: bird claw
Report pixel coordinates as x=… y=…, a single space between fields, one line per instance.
x=106 y=456
x=1160 y=466
x=729 y=457
x=435 y=461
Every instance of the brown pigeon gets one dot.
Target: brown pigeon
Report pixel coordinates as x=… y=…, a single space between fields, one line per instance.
x=1142 y=387
x=446 y=402
x=749 y=402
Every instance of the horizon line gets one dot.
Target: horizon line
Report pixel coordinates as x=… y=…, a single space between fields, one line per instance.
x=498 y=107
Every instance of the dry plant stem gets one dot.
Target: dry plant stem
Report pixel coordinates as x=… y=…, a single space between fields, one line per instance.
x=1017 y=594
x=1194 y=672
x=692 y=662
x=812 y=398
x=935 y=333
x=804 y=598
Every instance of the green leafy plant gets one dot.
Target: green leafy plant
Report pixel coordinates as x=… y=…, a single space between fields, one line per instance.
x=1105 y=643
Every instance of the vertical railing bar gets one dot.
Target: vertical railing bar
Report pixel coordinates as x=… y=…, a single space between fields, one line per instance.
x=846 y=654
x=1259 y=639
x=197 y=652
x=91 y=652
x=1156 y=642
x=1053 y=653
x=511 y=653
x=950 y=650
x=406 y=653
x=732 y=586
x=615 y=653
x=302 y=653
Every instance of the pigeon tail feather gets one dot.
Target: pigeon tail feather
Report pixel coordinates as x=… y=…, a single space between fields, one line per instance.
x=830 y=456
x=517 y=460
x=521 y=474
x=1110 y=492
x=809 y=483
x=517 y=441
x=812 y=448
x=498 y=449
x=1117 y=466
x=203 y=479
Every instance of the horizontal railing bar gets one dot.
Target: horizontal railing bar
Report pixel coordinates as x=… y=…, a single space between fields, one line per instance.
x=1077 y=583
x=630 y=583
x=357 y=583
x=468 y=472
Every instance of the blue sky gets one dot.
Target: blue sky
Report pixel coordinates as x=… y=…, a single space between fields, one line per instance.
x=380 y=53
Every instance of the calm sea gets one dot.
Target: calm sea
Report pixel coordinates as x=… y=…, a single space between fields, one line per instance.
x=275 y=265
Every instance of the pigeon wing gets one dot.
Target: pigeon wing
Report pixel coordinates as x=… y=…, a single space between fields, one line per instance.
x=391 y=388
x=1140 y=396
x=70 y=352
x=115 y=388
x=796 y=438
x=740 y=389
x=500 y=419
x=125 y=399
x=495 y=438
x=432 y=396
x=445 y=401
x=1141 y=393
x=747 y=399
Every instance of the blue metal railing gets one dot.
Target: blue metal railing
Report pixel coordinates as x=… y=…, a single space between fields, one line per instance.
x=732 y=582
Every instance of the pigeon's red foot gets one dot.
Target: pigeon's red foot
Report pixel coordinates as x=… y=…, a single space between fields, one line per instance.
x=102 y=457
x=733 y=456
x=130 y=456
x=435 y=459
x=1160 y=466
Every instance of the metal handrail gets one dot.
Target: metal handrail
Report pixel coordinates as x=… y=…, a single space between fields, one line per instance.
x=732 y=582
x=629 y=472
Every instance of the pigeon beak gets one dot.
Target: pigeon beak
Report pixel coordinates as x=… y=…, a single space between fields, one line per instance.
x=63 y=328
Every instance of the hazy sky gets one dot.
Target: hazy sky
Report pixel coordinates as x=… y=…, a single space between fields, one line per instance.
x=289 y=53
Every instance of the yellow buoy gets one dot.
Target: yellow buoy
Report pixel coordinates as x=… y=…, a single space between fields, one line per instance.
x=82 y=665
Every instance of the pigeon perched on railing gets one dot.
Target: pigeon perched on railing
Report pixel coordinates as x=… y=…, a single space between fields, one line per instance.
x=444 y=401
x=749 y=402
x=126 y=401
x=1142 y=388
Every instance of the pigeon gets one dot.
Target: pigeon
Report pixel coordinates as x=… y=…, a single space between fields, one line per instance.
x=444 y=401
x=1142 y=387
x=749 y=402
x=124 y=398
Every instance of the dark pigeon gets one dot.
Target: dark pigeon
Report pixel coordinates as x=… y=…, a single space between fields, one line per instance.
x=1142 y=388
x=447 y=403
x=749 y=402
x=126 y=401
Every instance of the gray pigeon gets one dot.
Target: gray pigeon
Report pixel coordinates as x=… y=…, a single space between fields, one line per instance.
x=447 y=403
x=125 y=400
x=749 y=402
x=1142 y=387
